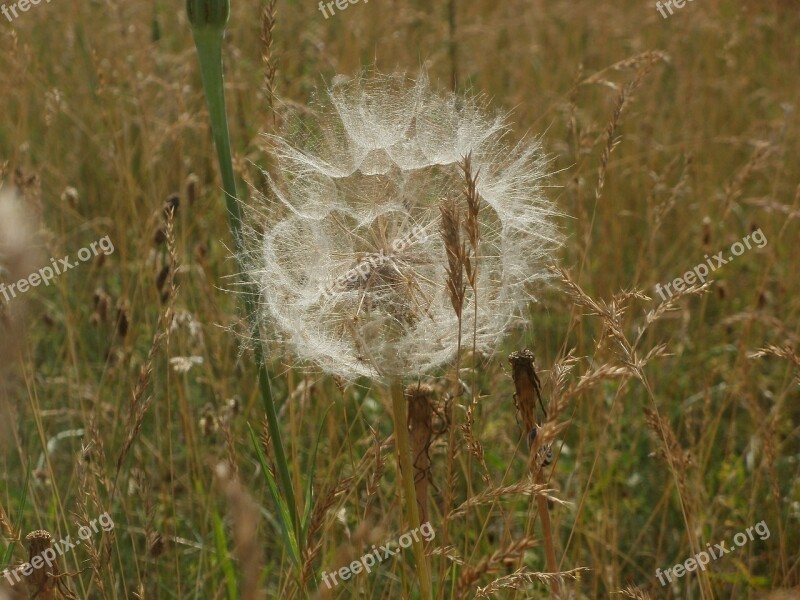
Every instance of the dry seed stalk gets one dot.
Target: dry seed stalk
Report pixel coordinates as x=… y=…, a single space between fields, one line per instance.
x=403 y=447
x=470 y=262
x=420 y=422
x=91 y=475
x=527 y=385
x=267 y=26
x=138 y=407
x=498 y=561
x=374 y=479
x=456 y=257
x=634 y=592
x=43 y=582
x=528 y=391
x=472 y=224
x=456 y=253
x=647 y=61
x=611 y=314
x=326 y=508
x=322 y=507
x=522 y=579
x=492 y=495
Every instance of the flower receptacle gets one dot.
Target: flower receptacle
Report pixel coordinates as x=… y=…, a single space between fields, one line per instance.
x=208 y=13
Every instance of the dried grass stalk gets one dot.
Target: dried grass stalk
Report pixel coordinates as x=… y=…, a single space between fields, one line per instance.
x=492 y=495
x=500 y=560
x=456 y=253
x=138 y=407
x=268 y=19
x=634 y=592
x=522 y=579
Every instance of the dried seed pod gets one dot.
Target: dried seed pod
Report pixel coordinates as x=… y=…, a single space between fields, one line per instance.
x=160 y=236
x=161 y=279
x=171 y=205
x=706 y=232
x=208 y=420
x=527 y=385
x=192 y=185
x=43 y=580
x=528 y=394
x=70 y=196
x=123 y=322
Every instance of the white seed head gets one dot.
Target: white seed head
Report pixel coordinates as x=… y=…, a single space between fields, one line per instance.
x=352 y=269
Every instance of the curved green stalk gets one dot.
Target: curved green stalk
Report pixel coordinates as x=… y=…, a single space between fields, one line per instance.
x=208 y=37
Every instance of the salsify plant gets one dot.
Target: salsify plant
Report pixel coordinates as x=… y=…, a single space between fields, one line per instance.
x=353 y=269
x=397 y=219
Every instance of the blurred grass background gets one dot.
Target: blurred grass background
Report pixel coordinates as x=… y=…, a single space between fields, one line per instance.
x=104 y=97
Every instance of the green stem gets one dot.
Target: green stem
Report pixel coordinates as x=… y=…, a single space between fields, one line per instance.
x=407 y=475
x=208 y=41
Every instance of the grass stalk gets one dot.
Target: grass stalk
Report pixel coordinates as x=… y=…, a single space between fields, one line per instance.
x=208 y=41
x=400 y=414
x=547 y=537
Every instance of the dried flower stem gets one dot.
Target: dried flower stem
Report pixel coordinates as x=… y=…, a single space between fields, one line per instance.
x=42 y=582
x=407 y=475
x=420 y=417
x=527 y=386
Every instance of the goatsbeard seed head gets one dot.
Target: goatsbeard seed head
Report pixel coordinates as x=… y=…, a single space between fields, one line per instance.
x=352 y=269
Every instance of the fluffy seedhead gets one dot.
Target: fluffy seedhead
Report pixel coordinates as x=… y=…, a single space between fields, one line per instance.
x=353 y=269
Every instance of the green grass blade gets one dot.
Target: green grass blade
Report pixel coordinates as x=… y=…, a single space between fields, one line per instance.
x=309 y=497
x=10 y=550
x=225 y=557
x=284 y=516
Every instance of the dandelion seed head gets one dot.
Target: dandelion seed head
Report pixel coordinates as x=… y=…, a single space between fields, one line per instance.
x=352 y=269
